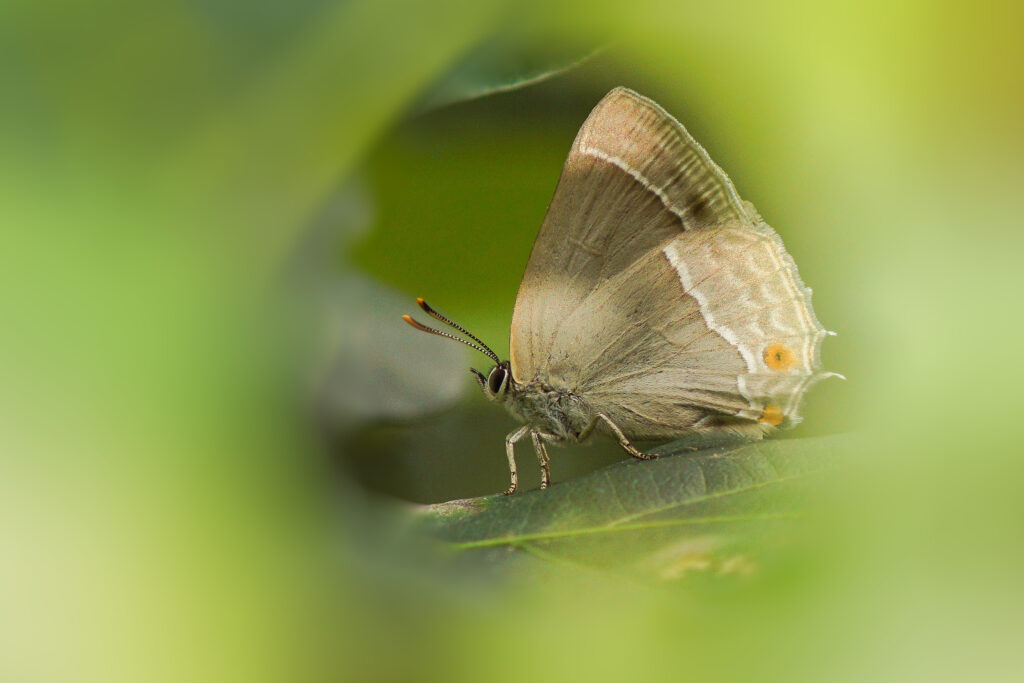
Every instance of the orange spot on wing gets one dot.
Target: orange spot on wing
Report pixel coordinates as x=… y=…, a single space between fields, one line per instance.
x=771 y=415
x=779 y=357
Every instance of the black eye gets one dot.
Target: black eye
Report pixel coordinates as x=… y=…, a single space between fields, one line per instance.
x=495 y=380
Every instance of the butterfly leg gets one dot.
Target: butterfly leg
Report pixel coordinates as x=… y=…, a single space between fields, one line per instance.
x=542 y=457
x=624 y=442
x=510 y=449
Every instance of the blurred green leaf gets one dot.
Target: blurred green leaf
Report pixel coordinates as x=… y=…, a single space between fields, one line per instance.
x=380 y=368
x=700 y=511
x=505 y=62
x=364 y=362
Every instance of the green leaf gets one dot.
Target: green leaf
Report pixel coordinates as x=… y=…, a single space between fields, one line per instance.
x=705 y=511
x=364 y=362
x=501 y=63
x=377 y=367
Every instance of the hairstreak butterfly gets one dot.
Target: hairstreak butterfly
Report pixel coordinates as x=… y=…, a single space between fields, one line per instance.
x=656 y=303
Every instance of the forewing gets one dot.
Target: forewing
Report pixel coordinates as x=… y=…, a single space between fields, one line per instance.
x=710 y=328
x=633 y=179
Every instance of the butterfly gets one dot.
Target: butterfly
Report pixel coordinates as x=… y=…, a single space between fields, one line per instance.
x=656 y=303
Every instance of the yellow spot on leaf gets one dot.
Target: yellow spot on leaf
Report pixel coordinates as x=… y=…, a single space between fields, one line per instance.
x=779 y=357
x=771 y=415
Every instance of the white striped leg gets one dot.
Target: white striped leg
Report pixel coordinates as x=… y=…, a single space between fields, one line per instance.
x=624 y=442
x=510 y=449
x=542 y=457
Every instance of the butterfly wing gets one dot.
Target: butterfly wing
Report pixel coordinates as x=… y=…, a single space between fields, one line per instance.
x=711 y=328
x=633 y=178
x=658 y=295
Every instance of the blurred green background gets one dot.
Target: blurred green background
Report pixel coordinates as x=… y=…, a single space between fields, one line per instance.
x=216 y=436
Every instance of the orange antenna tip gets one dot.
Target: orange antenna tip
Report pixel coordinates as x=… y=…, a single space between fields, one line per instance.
x=479 y=346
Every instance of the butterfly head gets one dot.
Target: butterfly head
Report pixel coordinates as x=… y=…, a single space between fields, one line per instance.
x=498 y=382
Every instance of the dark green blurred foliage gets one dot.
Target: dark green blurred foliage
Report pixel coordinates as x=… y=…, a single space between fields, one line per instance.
x=217 y=439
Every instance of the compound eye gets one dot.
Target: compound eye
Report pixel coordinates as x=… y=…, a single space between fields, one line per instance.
x=496 y=379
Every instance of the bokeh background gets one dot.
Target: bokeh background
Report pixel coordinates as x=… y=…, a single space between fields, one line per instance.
x=216 y=435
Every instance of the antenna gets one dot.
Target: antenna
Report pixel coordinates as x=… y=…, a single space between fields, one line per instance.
x=479 y=346
x=434 y=314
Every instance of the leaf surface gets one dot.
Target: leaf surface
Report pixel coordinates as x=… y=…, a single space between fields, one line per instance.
x=694 y=511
